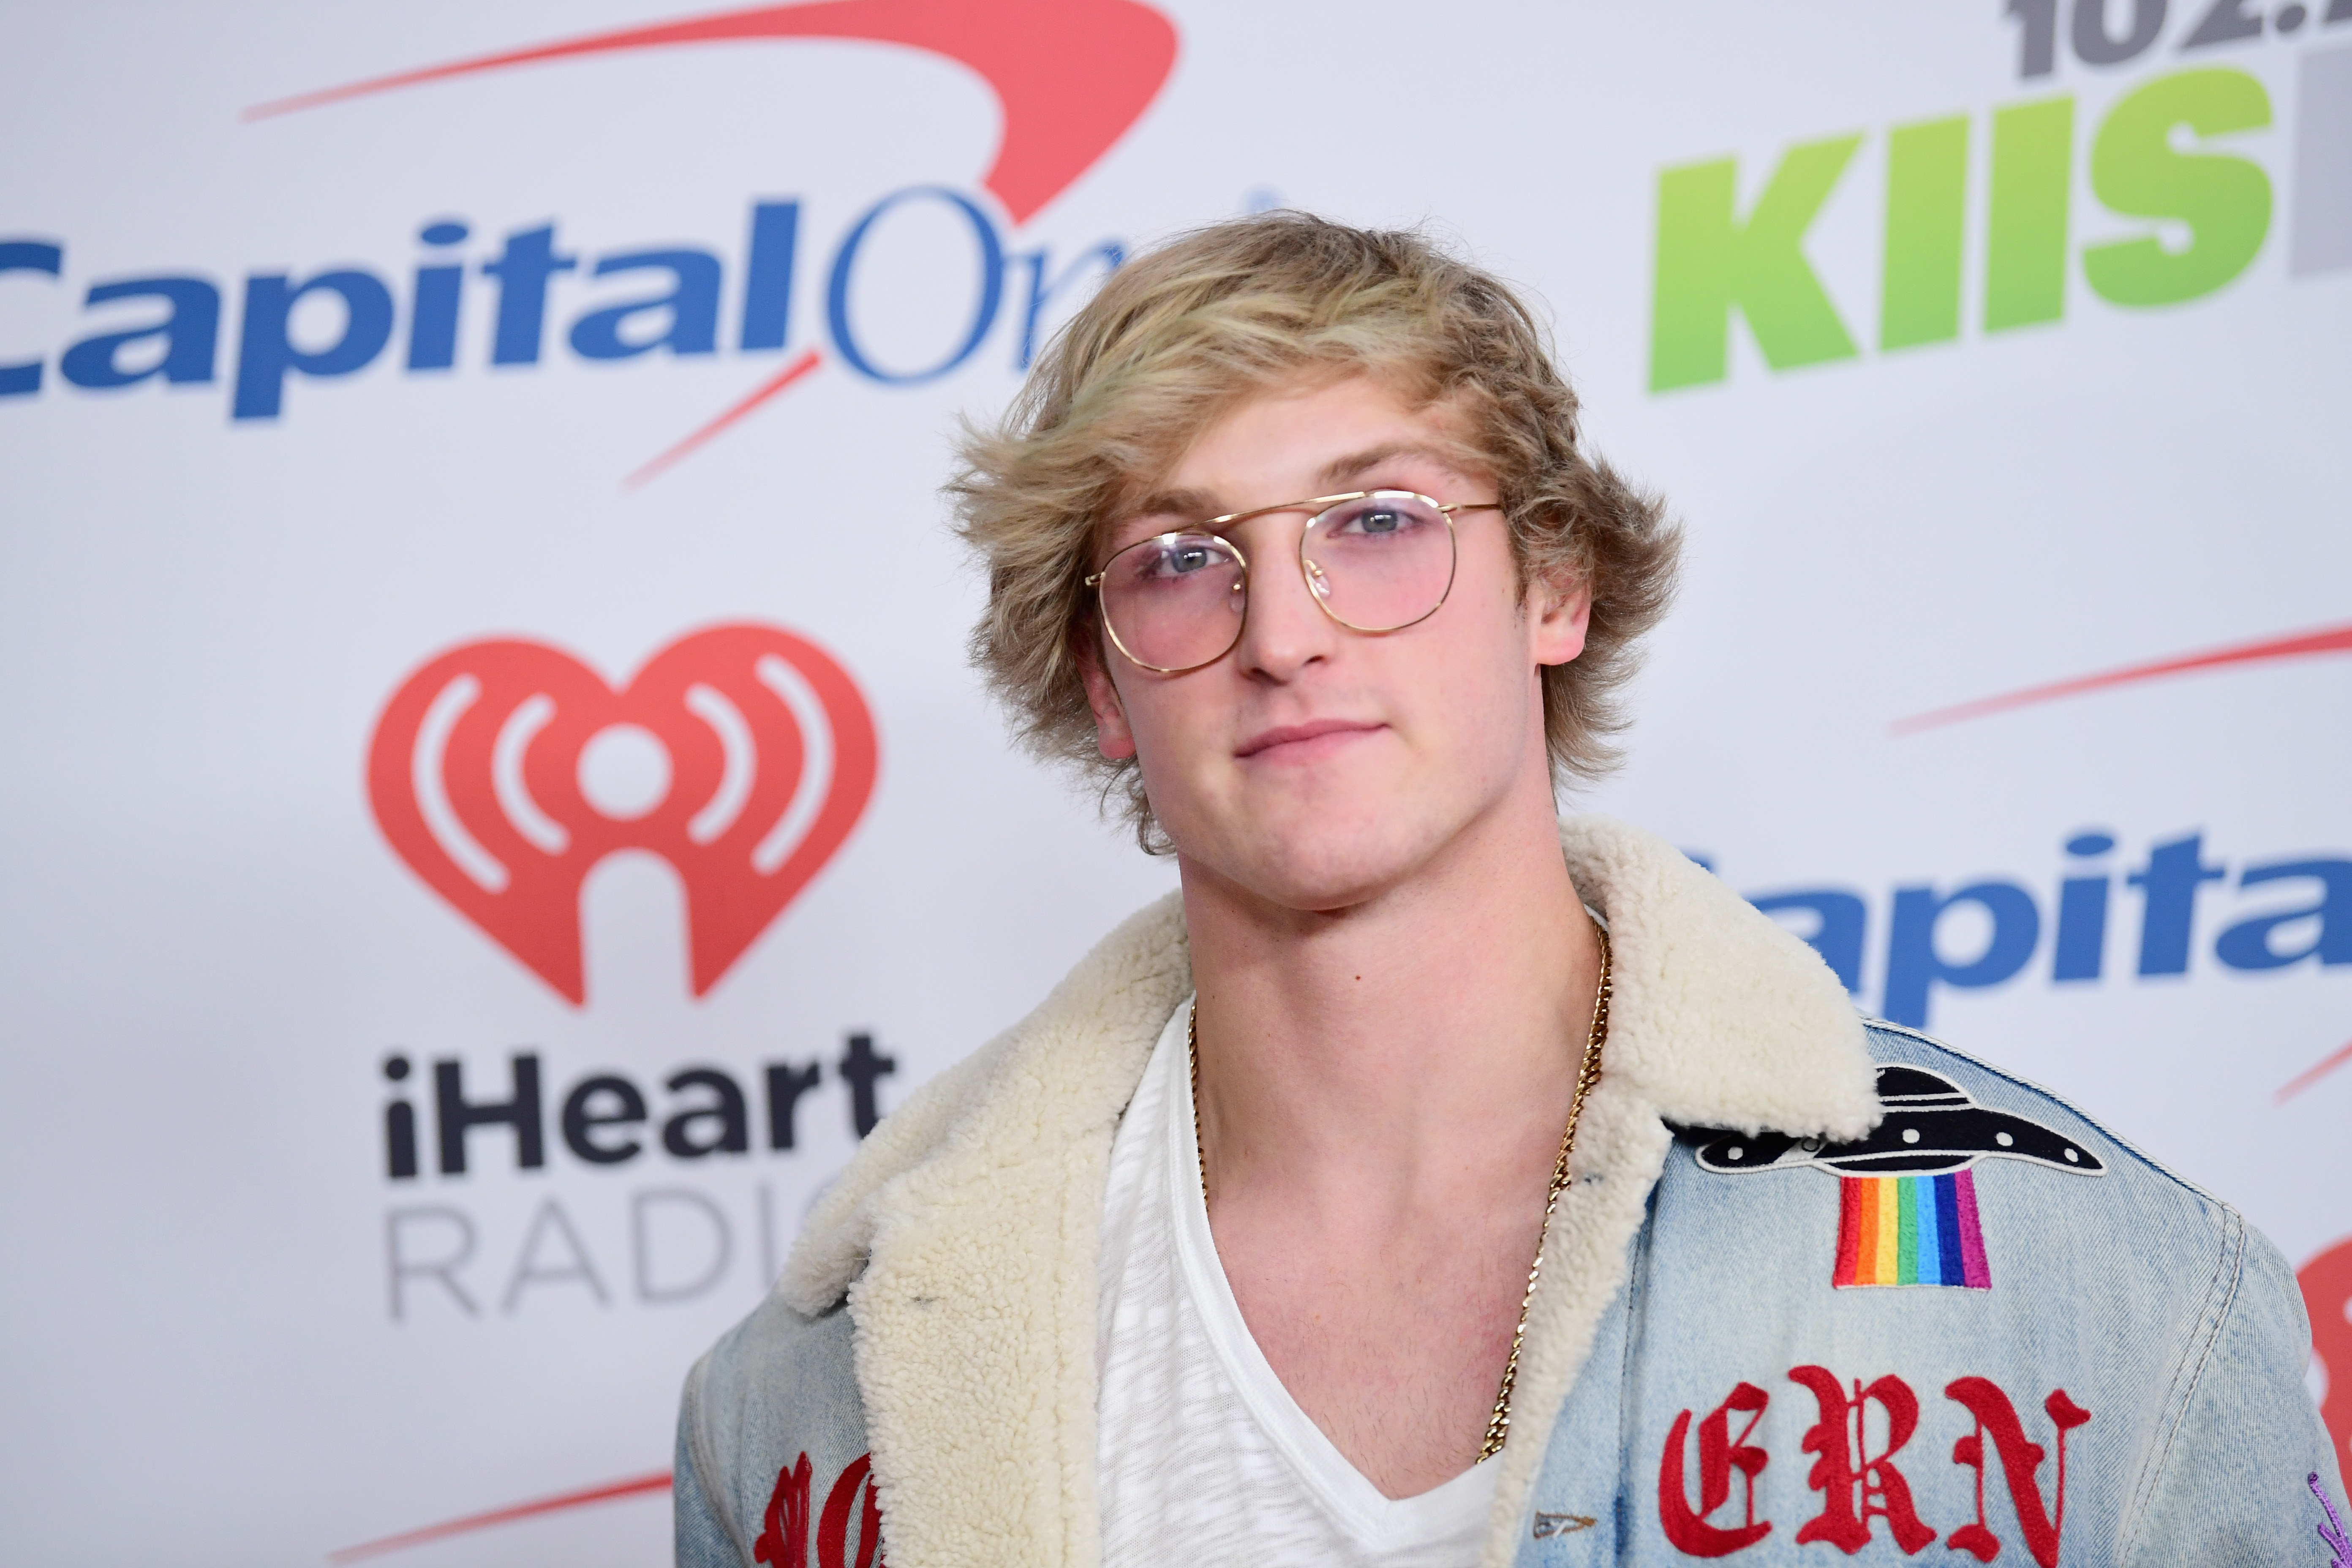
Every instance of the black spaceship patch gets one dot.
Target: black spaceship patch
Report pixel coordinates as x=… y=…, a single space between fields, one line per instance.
x=1931 y=1127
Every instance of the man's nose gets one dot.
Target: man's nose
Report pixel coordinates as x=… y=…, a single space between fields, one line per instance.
x=1285 y=629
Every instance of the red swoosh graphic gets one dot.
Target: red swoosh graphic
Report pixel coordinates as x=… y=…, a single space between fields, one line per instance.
x=808 y=361
x=2333 y=639
x=1072 y=75
x=609 y=1492
x=2312 y=1075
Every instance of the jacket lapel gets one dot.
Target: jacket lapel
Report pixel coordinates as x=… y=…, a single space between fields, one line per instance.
x=1718 y=1017
x=976 y=1309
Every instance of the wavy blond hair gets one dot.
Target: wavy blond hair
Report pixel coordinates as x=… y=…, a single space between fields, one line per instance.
x=1198 y=322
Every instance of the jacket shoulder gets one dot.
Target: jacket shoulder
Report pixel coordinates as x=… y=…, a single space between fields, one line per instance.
x=2097 y=1149
x=1991 y=1242
x=2224 y=1477
x=775 y=1398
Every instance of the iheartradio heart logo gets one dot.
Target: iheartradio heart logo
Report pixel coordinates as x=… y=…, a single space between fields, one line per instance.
x=503 y=771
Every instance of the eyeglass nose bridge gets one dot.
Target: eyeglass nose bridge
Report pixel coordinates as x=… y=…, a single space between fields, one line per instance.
x=1310 y=571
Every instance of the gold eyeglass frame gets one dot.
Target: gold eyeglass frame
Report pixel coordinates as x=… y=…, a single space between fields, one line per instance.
x=1318 y=583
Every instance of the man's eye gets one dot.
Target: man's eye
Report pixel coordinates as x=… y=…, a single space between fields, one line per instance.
x=1176 y=561
x=1380 y=521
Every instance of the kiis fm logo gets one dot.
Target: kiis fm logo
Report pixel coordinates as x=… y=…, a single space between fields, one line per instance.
x=741 y=754
x=2182 y=154
x=1073 y=76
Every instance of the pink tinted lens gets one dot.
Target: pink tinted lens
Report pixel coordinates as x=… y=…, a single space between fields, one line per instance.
x=1176 y=601
x=1380 y=563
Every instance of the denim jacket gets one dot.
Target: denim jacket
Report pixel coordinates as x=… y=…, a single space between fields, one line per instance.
x=1821 y=1289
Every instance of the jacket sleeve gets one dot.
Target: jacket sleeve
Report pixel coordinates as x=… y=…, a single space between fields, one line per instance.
x=703 y=1535
x=2232 y=1479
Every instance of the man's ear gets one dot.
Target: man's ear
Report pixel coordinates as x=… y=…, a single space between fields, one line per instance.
x=1112 y=737
x=1559 y=609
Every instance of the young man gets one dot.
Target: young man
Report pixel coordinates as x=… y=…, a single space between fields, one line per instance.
x=1334 y=1210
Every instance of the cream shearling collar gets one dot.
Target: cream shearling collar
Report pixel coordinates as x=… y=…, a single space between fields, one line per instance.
x=965 y=1233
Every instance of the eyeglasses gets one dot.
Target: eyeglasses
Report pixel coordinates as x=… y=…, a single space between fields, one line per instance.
x=1374 y=561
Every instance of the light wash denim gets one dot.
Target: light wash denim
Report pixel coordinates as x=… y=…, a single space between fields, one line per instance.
x=2155 y=1307
x=1737 y=1403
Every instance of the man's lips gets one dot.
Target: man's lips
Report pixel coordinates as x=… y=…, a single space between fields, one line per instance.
x=1296 y=734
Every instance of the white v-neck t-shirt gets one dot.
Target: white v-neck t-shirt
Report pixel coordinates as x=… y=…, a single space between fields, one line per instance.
x=1203 y=1458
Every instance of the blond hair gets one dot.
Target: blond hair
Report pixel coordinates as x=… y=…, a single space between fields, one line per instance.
x=1190 y=327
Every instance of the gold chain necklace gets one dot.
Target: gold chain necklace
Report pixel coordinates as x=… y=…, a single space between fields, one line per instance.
x=1498 y=1425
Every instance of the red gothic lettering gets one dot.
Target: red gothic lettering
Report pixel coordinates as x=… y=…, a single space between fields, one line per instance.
x=1719 y=1453
x=833 y=1528
x=1858 y=1485
x=2020 y=1460
x=783 y=1534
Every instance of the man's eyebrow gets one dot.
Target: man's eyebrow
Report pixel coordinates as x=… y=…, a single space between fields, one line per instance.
x=1340 y=470
x=1191 y=506
x=1185 y=506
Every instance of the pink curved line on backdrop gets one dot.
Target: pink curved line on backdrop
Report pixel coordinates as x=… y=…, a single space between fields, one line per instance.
x=611 y=1492
x=2312 y=1075
x=808 y=361
x=2333 y=639
x=1072 y=75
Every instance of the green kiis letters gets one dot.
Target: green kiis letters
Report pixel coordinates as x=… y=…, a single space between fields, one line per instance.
x=2225 y=201
x=2025 y=229
x=1926 y=211
x=1710 y=261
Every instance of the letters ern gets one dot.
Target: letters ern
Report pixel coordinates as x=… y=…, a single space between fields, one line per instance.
x=1863 y=1487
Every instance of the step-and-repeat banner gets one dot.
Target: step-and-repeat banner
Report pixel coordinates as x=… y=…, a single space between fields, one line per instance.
x=495 y=806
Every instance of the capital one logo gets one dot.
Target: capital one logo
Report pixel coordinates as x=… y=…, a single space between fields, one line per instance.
x=504 y=771
x=1072 y=78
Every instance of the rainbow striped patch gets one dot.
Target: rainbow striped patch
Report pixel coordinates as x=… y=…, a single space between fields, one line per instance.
x=1910 y=1230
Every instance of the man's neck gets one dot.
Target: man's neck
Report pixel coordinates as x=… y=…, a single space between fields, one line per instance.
x=1406 y=1050
x=1382 y=1095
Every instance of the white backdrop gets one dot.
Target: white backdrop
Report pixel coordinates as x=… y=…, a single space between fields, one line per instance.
x=2040 y=377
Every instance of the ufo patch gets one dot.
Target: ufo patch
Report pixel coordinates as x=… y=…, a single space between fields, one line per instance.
x=1906 y=1194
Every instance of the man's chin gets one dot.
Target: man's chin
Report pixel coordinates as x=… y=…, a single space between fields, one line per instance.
x=1325 y=871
